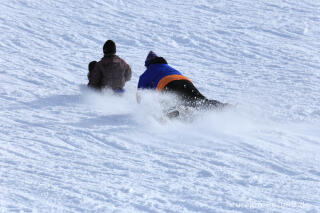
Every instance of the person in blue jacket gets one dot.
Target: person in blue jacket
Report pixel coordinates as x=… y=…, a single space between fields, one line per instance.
x=164 y=78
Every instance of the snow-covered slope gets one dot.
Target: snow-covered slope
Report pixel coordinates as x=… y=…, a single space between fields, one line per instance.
x=66 y=149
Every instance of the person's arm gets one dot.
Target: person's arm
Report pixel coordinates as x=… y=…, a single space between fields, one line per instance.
x=95 y=78
x=128 y=73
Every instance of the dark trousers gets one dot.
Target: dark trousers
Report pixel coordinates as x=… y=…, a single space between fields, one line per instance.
x=190 y=95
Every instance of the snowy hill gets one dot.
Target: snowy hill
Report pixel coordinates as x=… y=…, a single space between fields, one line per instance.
x=66 y=149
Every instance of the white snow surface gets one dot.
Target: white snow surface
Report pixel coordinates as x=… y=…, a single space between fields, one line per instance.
x=64 y=148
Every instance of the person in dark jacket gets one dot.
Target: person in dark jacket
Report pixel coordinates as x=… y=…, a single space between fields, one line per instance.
x=162 y=77
x=110 y=72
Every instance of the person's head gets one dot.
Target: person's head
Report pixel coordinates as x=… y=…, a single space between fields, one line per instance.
x=109 y=48
x=91 y=65
x=150 y=57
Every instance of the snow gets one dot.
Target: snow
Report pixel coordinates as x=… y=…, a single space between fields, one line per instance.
x=66 y=149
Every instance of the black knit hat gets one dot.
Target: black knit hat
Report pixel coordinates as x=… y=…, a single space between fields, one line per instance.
x=109 y=48
x=150 y=57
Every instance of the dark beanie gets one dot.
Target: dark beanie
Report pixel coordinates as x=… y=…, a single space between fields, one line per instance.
x=149 y=58
x=109 y=48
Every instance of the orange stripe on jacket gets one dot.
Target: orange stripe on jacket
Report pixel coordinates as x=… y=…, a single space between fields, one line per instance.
x=166 y=80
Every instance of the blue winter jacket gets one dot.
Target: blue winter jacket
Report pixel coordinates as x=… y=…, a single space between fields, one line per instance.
x=158 y=75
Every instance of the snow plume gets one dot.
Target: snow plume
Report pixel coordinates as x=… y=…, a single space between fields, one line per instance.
x=238 y=120
x=109 y=102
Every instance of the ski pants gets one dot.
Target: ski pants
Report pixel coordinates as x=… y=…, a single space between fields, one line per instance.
x=190 y=95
